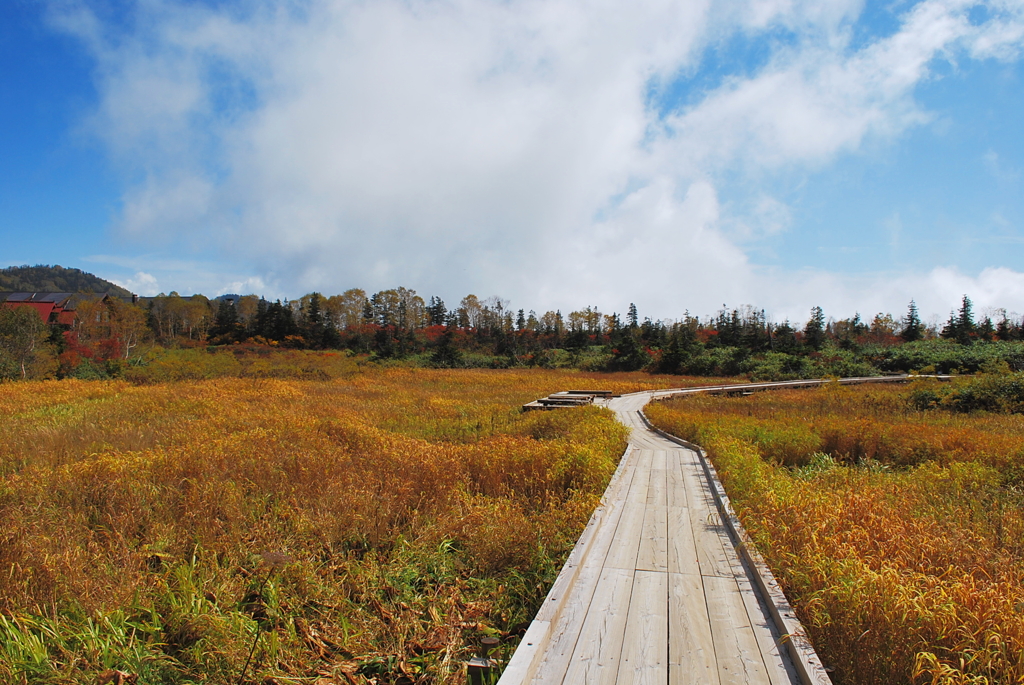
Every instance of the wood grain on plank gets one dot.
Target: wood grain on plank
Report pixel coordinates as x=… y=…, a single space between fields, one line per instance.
x=641 y=477
x=653 y=553
x=736 y=649
x=709 y=532
x=596 y=657
x=625 y=546
x=658 y=484
x=565 y=632
x=780 y=669
x=658 y=592
x=674 y=471
x=644 y=659
x=691 y=648
x=682 y=550
x=626 y=543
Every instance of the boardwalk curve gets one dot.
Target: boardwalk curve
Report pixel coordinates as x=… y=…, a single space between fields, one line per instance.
x=662 y=586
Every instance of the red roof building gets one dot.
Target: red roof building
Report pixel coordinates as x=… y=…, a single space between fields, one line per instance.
x=53 y=308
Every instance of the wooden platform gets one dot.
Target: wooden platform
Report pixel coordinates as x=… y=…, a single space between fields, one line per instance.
x=567 y=398
x=655 y=591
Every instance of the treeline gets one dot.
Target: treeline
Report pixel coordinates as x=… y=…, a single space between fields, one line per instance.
x=399 y=325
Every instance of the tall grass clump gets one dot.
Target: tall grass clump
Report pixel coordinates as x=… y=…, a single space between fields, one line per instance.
x=406 y=512
x=897 y=532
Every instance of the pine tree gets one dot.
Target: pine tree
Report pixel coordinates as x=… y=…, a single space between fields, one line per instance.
x=814 y=331
x=912 y=327
x=437 y=314
x=1004 y=329
x=632 y=319
x=966 y=316
x=446 y=355
x=677 y=352
x=226 y=328
x=258 y=326
x=629 y=355
x=986 y=331
x=784 y=338
x=318 y=329
x=280 y=322
x=960 y=326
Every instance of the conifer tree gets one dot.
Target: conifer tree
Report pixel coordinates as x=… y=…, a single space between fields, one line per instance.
x=318 y=330
x=960 y=326
x=632 y=319
x=446 y=355
x=814 y=331
x=437 y=314
x=912 y=327
x=226 y=328
x=1004 y=329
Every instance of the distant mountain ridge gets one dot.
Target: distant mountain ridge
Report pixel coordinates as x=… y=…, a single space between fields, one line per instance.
x=55 y=279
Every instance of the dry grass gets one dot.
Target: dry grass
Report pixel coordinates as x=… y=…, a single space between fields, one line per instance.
x=898 y=534
x=418 y=511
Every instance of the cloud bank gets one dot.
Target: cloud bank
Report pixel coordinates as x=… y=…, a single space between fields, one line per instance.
x=555 y=152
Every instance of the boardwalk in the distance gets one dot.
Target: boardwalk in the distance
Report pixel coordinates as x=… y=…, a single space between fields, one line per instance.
x=655 y=591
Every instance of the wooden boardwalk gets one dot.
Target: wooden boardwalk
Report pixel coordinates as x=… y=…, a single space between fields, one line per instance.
x=656 y=590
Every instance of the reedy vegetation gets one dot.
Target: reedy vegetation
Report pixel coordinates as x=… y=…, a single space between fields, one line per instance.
x=897 y=533
x=419 y=510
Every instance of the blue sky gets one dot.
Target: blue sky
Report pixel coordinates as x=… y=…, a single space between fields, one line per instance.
x=557 y=153
x=56 y=189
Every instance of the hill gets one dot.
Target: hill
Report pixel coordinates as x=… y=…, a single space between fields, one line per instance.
x=45 y=278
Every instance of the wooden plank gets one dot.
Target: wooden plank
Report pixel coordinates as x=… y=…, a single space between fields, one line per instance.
x=615 y=547
x=736 y=649
x=691 y=648
x=698 y=493
x=682 y=551
x=567 y=628
x=780 y=670
x=658 y=484
x=802 y=660
x=641 y=477
x=596 y=657
x=710 y=533
x=625 y=545
x=521 y=666
x=644 y=658
x=779 y=666
x=676 y=487
x=653 y=553
x=762 y=625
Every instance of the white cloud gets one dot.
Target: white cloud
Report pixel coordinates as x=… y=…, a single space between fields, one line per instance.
x=462 y=145
x=141 y=283
x=152 y=274
x=935 y=292
x=762 y=216
x=814 y=101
